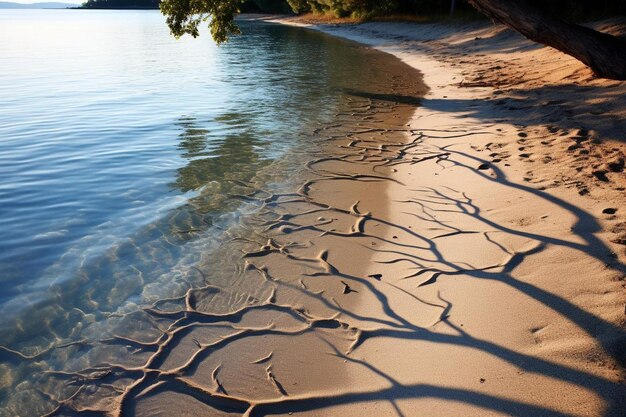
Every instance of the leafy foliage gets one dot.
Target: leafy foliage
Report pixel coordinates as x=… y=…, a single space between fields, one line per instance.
x=342 y=8
x=185 y=16
x=570 y=9
x=371 y=8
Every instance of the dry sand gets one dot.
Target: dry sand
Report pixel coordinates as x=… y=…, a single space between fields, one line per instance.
x=452 y=260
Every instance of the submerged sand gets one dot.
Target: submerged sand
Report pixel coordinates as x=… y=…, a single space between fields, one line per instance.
x=421 y=266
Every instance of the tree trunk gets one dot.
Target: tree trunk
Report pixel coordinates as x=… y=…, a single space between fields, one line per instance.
x=603 y=53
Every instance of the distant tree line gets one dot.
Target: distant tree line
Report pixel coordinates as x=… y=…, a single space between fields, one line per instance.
x=263 y=6
x=371 y=8
x=248 y=6
x=266 y=6
x=571 y=9
x=121 y=4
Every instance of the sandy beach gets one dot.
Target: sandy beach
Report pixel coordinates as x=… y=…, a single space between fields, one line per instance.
x=462 y=259
x=504 y=219
x=454 y=245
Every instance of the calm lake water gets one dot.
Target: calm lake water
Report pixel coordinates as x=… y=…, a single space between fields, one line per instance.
x=108 y=124
x=122 y=151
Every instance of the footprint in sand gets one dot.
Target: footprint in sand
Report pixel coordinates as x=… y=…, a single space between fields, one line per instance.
x=616 y=165
x=600 y=174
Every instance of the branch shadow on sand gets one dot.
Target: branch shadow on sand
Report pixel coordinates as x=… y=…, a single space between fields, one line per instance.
x=177 y=318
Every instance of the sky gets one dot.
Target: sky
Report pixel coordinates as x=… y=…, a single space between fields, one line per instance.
x=45 y=1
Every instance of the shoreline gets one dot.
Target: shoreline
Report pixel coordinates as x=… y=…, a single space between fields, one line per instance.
x=318 y=302
x=412 y=260
x=271 y=326
x=562 y=301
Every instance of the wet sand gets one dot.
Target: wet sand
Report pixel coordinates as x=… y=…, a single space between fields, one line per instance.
x=288 y=350
x=274 y=328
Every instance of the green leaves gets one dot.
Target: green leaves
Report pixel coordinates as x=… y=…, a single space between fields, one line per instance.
x=299 y=6
x=185 y=16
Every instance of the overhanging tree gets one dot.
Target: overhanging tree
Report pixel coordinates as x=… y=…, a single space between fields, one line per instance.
x=603 y=53
x=184 y=16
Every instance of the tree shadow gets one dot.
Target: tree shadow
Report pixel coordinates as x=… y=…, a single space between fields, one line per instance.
x=175 y=318
x=363 y=148
x=581 y=107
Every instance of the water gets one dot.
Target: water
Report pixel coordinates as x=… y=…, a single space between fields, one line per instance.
x=122 y=155
x=107 y=123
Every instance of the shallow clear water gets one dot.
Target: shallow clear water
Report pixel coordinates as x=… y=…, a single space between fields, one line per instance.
x=126 y=162
x=108 y=124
